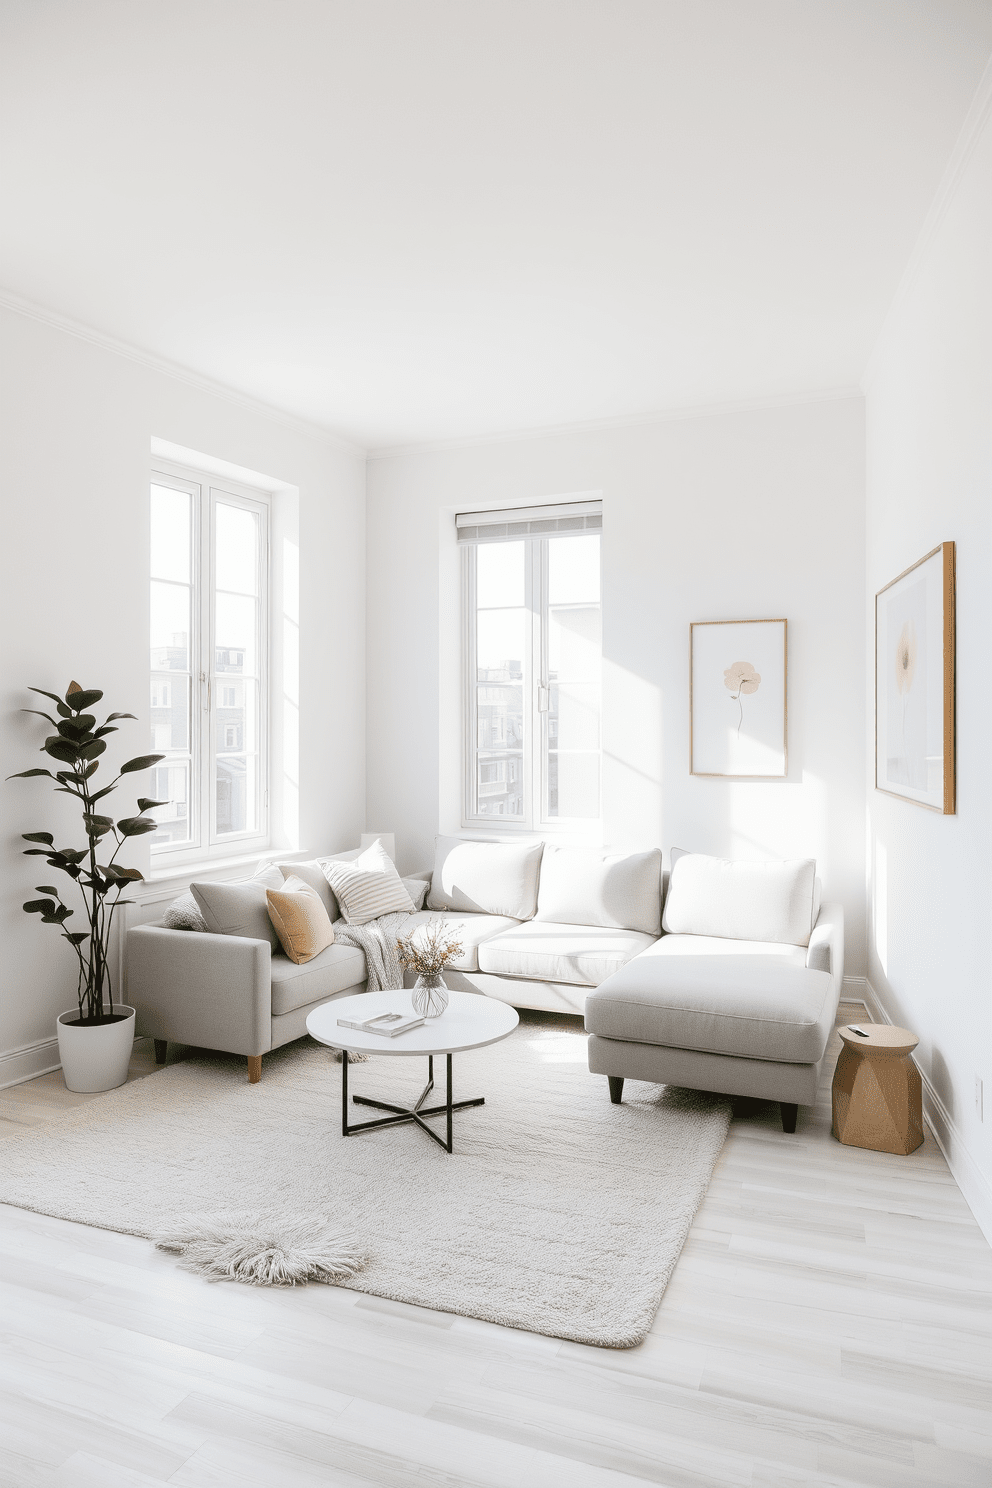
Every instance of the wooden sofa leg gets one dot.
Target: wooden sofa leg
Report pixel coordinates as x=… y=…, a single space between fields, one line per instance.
x=790 y=1114
x=161 y=1050
x=254 y=1068
x=616 y=1088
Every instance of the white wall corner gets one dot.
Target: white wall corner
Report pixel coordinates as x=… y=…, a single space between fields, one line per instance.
x=970 y=133
x=974 y=1185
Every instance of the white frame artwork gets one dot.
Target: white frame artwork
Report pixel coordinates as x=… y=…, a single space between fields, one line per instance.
x=914 y=683
x=738 y=707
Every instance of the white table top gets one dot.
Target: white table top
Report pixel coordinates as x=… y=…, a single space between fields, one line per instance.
x=470 y=1021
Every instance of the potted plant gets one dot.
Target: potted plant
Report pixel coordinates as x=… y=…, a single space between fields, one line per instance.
x=94 y=1038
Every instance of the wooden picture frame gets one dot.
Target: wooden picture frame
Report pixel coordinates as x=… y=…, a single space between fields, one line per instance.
x=738 y=699
x=914 y=683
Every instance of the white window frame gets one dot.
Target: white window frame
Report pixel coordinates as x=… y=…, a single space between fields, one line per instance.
x=206 y=491
x=535 y=690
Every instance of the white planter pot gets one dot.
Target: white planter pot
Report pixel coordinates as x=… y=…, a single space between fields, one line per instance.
x=95 y=1058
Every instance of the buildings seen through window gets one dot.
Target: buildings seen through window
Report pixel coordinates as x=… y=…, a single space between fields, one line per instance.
x=170 y=730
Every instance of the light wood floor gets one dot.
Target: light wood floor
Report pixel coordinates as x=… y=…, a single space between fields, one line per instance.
x=828 y=1323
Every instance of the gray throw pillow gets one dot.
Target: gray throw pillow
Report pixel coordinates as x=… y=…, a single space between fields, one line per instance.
x=417 y=889
x=237 y=909
x=184 y=914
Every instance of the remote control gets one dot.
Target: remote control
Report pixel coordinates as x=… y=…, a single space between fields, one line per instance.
x=853 y=1028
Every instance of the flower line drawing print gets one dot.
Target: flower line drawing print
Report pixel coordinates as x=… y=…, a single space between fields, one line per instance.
x=737 y=709
x=746 y=680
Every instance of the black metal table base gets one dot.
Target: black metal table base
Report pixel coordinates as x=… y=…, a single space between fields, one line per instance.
x=403 y=1114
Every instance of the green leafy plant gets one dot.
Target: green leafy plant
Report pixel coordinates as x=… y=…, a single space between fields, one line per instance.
x=77 y=745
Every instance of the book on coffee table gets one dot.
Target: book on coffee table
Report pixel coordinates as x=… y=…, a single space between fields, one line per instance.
x=386 y=1025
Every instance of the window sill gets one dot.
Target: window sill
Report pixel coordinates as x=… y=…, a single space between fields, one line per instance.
x=584 y=834
x=231 y=864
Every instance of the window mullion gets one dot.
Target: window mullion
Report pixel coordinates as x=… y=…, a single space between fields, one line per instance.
x=204 y=680
x=535 y=681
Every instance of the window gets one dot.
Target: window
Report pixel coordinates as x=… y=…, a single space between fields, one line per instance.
x=532 y=638
x=209 y=651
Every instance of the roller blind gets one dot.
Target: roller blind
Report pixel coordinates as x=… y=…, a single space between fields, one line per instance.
x=529 y=521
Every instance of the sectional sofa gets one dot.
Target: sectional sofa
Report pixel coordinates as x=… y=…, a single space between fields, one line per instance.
x=731 y=983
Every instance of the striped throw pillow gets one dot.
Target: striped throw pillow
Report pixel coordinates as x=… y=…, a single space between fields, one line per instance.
x=368 y=887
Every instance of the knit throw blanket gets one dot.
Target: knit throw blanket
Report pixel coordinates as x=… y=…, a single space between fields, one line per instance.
x=378 y=940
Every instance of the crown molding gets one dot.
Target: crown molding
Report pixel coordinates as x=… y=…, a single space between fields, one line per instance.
x=622 y=421
x=71 y=327
x=971 y=132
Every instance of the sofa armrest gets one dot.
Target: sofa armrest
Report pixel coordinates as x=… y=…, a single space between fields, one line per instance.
x=214 y=991
x=826 y=944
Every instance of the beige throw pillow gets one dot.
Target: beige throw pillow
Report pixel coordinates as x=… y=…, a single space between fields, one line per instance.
x=300 y=920
x=368 y=887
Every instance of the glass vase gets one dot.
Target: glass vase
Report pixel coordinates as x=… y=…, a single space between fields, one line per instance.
x=430 y=996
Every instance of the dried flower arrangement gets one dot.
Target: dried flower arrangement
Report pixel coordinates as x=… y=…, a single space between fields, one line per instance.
x=434 y=947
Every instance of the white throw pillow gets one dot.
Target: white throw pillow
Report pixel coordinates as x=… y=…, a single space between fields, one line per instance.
x=368 y=887
x=583 y=886
x=485 y=877
x=740 y=900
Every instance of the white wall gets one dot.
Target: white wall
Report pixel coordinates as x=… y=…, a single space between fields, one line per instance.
x=929 y=464
x=74 y=466
x=736 y=515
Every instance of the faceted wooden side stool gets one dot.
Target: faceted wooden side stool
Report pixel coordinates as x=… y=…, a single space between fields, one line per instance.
x=877 y=1090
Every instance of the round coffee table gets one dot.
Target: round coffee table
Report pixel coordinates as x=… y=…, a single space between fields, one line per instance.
x=877 y=1092
x=470 y=1021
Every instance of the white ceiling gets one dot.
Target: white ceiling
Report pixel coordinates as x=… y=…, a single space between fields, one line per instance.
x=407 y=220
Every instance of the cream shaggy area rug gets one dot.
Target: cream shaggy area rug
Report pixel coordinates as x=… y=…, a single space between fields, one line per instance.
x=558 y=1212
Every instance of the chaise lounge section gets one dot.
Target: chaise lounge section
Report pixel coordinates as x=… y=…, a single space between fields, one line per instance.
x=748 y=1016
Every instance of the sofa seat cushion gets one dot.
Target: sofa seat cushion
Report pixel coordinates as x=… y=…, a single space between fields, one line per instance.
x=471 y=930
x=582 y=955
x=748 y=1006
x=293 y=986
x=715 y=945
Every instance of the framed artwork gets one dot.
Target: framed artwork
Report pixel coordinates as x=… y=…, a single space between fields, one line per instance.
x=914 y=683
x=738 y=715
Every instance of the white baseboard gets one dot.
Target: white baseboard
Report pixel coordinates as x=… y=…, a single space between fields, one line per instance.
x=968 y=1176
x=18 y=1065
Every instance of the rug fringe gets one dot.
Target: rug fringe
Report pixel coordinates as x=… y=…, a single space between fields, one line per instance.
x=263 y=1250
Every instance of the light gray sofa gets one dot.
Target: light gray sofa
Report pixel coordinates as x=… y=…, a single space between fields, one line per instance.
x=231 y=987
x=230 y=992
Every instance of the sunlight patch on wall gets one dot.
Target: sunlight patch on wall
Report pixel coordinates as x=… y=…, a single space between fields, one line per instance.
x=787 y=819
x=632 y=759
x=289 y=827
x=880 y=903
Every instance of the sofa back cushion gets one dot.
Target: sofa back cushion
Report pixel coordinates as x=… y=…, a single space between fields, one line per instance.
x=741 y=901
x=239 y=908
x=583 y=886
x=485 y=877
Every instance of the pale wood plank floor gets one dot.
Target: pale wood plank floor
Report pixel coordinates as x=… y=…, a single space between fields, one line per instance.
x=828 y=1323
